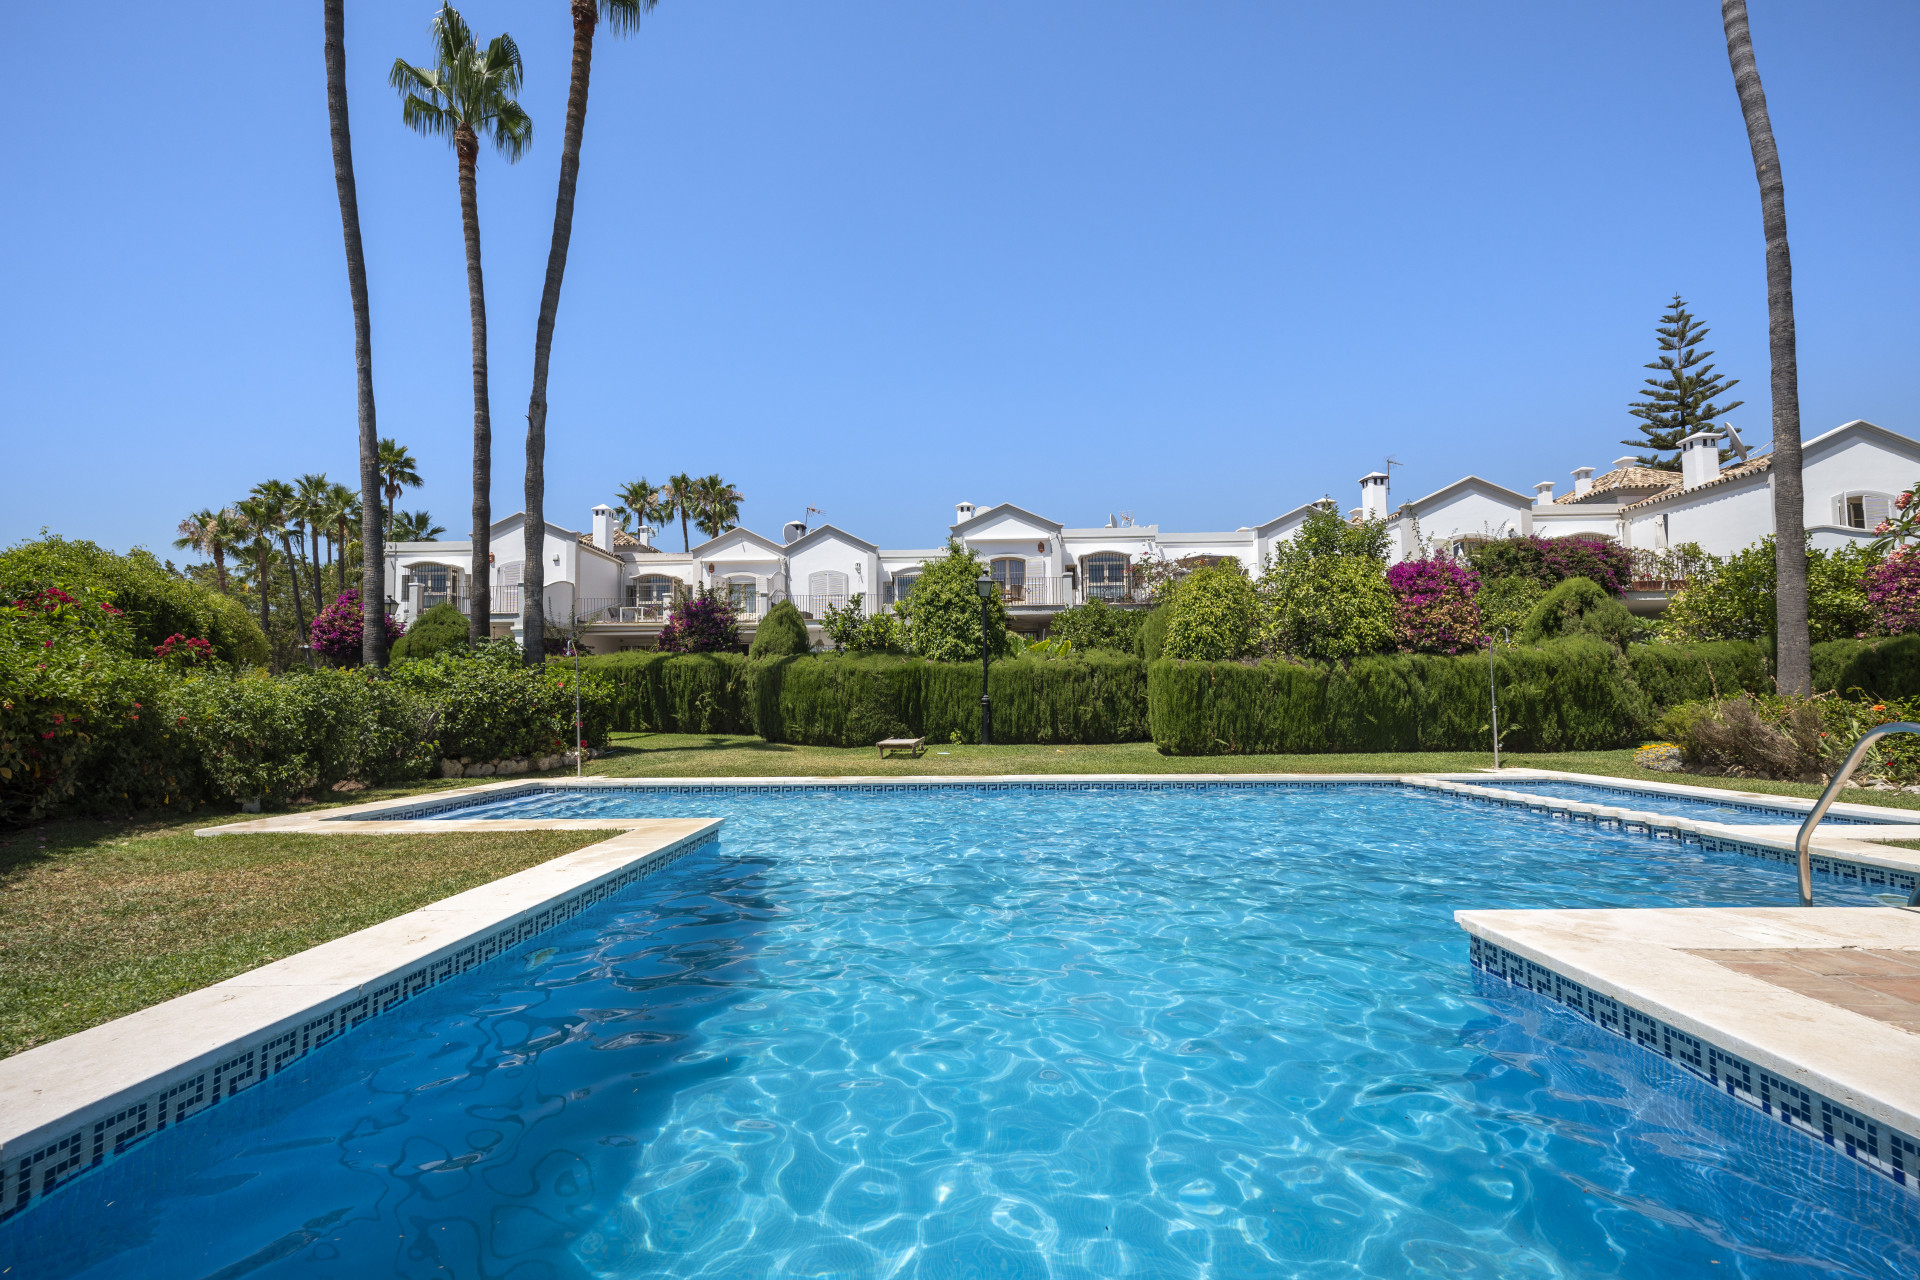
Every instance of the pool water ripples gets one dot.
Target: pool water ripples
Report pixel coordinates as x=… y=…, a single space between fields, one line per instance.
x=1733 y=811
x=998 y=1033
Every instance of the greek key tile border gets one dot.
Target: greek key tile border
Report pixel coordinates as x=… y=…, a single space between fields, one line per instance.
x=1867 y=875
x=454 y=806
x=1889 y=1153
x=1785 y=814
x=34 y=1174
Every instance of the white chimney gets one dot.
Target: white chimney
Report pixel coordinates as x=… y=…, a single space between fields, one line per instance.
x=1543 y=493
x=795 y=530
x=1631 y=460
x=962 y=512
x=604 y=524
x=1582 y=480
x=643 y=535
x=1699 y=459
x=1373 y=495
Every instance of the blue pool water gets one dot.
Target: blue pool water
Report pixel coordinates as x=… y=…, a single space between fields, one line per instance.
x=1736 y=813
x=973 y=1033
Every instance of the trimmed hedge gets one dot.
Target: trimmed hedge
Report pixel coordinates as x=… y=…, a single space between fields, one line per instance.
x=1566 y=696
x=1670 y=674
x=654 y=692
x=1886 y=669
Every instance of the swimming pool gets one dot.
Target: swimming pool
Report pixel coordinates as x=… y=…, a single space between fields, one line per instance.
x=968 y=1032
x=1733 y=812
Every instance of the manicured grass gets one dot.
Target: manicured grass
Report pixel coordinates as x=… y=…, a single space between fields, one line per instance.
x=100 y=919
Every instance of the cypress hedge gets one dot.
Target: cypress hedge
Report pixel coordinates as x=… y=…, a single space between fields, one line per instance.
x=676 y=692
x=1883 y=668
x=1670 y=674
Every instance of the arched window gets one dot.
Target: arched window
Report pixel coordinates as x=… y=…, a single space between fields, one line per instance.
x=1106 y=576
x=900 y=585
x=1863 y=510
x=828 y=587
x=1010 y=575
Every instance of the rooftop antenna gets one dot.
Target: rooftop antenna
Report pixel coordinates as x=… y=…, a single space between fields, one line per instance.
x=1738 y=445
x=1392 y=462
x=1126 y=519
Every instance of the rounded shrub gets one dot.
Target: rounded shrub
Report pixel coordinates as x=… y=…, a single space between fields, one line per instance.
x=1212 y=616
x=781 y=633
x=438 y=630
x=1580 y=607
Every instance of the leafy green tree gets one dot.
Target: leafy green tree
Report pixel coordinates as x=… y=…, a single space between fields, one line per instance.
x=464 y=96
x=1505 y=604
x=782 y=632
x=645 y=504
x=942 y=612
x=621 y=16
x=275 y=505
x=1680 y=401
x=1097 y=625
x=1324 y=592
x=1734 y=599
x=1213 y=615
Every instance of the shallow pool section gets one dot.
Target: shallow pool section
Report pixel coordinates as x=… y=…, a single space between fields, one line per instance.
x=1736 y=813
x=957 y=1032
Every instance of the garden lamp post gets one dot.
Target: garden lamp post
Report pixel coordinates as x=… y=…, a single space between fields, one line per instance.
x=984 y=586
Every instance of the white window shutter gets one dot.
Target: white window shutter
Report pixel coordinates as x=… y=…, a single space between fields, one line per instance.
x=1877 y=506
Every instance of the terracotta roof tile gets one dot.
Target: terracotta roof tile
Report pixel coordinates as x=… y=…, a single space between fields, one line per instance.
x=1751 y=467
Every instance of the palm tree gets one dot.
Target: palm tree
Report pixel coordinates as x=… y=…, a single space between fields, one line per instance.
x=398 y=471
x=373 y=592
x=1793 y=644
x=465 y=95
x=256 y=519
x=717 y=505
x=417 y=526
x=681 y=501
x=647 y=503
x=621 y=16
x=309 y=509
x=213 y=534
x=276 y=500
x=343 y=511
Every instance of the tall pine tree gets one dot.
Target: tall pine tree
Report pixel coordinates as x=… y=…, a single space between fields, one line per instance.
x=1680 y=401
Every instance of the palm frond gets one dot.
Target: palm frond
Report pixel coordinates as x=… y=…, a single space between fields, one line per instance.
x=407 y=78
x=502 y=62
x=450 y=33
x=623 y=16
x=512 y=130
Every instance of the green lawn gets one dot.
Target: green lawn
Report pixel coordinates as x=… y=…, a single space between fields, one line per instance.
x=98 y=919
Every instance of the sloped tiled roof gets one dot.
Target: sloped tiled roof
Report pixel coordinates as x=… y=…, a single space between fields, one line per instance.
x=1623 y=478
x=622 y=541
x=1740 y=470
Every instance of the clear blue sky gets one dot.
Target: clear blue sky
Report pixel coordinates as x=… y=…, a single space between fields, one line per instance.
x=1202 y=262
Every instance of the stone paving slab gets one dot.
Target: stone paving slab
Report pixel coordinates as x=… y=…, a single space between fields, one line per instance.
x=1660 y=962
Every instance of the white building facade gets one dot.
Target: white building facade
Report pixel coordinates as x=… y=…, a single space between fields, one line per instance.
x=612 y=590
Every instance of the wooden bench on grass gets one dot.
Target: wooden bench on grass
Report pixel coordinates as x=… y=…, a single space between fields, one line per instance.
x=901 y=744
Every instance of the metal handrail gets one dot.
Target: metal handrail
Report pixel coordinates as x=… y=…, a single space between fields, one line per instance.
x=1804 y=843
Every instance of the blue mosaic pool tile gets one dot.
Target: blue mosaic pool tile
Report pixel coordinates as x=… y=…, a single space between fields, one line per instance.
x=1887 y=1152
x=33 y=1174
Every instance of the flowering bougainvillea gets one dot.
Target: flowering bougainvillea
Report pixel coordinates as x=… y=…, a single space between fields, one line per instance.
x=1893 y=592
x=1434 y=609
x=336 y=634
x=701 y=624
x=183 y=651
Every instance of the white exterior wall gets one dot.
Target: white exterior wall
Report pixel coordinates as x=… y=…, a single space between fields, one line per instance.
x=1466 y=512
x=834 y=554
x=1578 y=517
x=1722 y=518
x=1853 y=460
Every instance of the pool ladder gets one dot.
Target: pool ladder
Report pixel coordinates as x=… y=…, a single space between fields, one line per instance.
x=1804 y=844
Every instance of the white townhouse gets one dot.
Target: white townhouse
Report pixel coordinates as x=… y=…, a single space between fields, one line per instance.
x=613 y=589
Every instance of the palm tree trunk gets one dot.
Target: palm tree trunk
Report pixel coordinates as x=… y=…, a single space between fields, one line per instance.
x=373 y=604
x=1793 y=655
x=313 y=555
x=533 y=571
x=467 y=147
x=299 y=613
x=220 y=566
x=264 y=555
